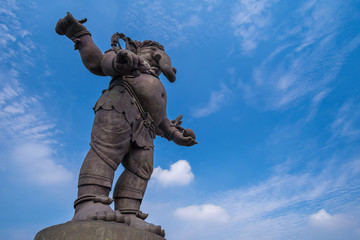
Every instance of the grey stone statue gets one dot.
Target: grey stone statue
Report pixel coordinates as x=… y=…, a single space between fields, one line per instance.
x=128 y=116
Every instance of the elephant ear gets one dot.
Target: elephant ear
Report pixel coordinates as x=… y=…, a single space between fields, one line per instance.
x=156 y=56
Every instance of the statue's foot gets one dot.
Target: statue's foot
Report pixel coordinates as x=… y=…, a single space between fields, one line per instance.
x=91 y=210
x=139 y=223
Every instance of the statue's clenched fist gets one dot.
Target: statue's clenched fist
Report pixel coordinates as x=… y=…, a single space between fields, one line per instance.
x=182 y=140
x=70 y=27
x=126 y=60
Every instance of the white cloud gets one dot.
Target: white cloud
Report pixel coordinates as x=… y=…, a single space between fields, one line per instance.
x=170 y=24
x=34 y=163
x=322 y=218
x=7 y=92
x=23 y=116
x=304 y=62
x=179 y=174
x=212 y=4
x=281 y=207
x=5 y=36
x=206 y=213
x=27 y=133
x=216 y=101
x=347 y=120
x=250 y=19
x=315 y=102
x=283 y=200
x=323 y=225
x=14 y=109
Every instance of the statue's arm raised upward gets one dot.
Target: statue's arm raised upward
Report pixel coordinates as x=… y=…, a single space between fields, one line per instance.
x=123 y=62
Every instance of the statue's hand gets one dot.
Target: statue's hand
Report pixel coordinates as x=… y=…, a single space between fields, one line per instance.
x=127 y=62
x=69 y=26
x=182 y=140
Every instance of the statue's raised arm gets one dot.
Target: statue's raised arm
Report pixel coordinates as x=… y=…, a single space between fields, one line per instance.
x=123 y=62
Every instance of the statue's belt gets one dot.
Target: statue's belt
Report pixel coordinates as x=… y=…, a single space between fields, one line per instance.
x=148 y=121
x=129 y=89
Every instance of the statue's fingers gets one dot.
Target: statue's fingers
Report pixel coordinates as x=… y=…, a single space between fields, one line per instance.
x=62 y=25
x=59 y=29
x=120 y=218
x=141 y=62
x=120 y=53
x=101 y=215
x=135 y=62
x=121 y=56
x=143 y=68
x=83 y=20
x=110 y=216
x=188 y=141
x=193 y=142
x=130 y=60
x=142 y=65
x=70 y=18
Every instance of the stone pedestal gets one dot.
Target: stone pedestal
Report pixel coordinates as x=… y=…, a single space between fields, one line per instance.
x=94 y=230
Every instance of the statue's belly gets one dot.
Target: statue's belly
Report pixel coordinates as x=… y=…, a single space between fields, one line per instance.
x=151 y=94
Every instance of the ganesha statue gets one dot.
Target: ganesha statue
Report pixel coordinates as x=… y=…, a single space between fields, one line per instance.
x=130 y=113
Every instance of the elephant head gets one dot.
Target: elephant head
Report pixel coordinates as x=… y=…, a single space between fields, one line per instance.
x=153 y=52
x=163 y=62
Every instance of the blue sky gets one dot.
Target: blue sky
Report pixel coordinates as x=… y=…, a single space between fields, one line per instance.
x=270 y=87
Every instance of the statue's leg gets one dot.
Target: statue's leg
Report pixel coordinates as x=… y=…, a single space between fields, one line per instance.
x=94 y=185
x=110 y=141
x=129 y=192
x=96 y=176
x=131 y=185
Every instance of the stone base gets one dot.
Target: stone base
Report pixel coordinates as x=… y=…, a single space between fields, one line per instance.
x=94 y=230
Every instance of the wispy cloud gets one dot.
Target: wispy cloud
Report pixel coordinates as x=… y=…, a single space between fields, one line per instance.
x=171 y=24
x=216 y=101
x=36 y=164
x=28 y=135
x=212 y=4
x=204 y=213
x=347 y=120
x=315 y=102
x=165 y=22
x=307 y=57
x=179 y=174
x=250 y=21
x=323 y=225
x=325 y=220
x=287 y=206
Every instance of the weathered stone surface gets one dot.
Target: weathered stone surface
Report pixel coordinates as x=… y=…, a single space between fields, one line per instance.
x=94 y=230
x=128 y=116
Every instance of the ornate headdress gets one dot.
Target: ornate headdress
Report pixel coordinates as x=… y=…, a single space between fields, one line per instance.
x=131 y=45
